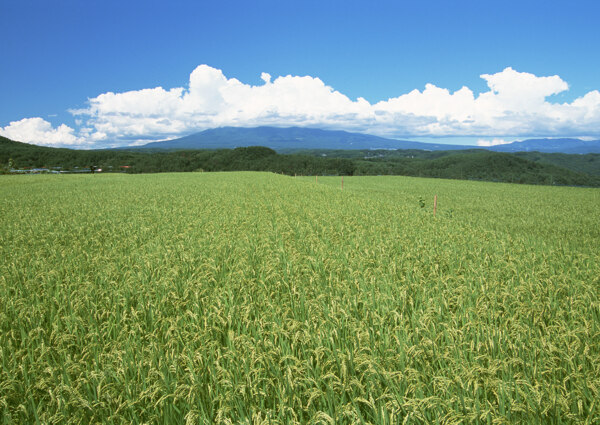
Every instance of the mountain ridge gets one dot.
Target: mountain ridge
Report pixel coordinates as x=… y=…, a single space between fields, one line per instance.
x=296 y=138
x=299 y=138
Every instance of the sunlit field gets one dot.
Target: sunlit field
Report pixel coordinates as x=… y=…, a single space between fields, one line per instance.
x=255 y=298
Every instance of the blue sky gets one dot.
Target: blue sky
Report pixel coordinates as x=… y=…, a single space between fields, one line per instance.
x=57 y=55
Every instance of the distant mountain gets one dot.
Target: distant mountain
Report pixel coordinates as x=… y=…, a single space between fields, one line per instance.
x=550 y=146
x=289 y=139
x=293 y=139
x=299 y=138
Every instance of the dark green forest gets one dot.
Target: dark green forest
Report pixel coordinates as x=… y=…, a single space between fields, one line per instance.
x=524 y=167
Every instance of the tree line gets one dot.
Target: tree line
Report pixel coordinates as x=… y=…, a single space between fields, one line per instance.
x=472 y=165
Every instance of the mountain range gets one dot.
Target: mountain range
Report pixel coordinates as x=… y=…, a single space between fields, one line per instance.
x=300 y=138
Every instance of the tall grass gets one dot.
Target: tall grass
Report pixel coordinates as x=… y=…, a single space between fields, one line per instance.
x=258 y=298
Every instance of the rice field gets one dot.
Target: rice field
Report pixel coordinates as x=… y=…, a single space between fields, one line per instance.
x=257 y=298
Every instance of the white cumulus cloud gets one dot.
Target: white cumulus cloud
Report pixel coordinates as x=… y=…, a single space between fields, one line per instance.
x=213 y=100
x=40 y=132
x=493 y=142
x=516 y=104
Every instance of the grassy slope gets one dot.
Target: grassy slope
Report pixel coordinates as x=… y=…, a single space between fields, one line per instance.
x=251 y=296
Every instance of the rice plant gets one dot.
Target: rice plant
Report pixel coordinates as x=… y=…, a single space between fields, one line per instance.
x=257 y=298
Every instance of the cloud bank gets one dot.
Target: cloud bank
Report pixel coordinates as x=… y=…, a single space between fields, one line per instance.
x=516 y=105
x=40 y=132
x=494 y=142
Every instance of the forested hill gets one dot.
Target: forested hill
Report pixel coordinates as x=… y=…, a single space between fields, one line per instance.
x=472 y=165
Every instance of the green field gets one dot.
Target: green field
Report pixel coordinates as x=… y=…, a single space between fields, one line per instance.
x=256 y=298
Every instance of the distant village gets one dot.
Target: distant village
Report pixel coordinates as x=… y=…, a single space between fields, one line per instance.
x=74 y=170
